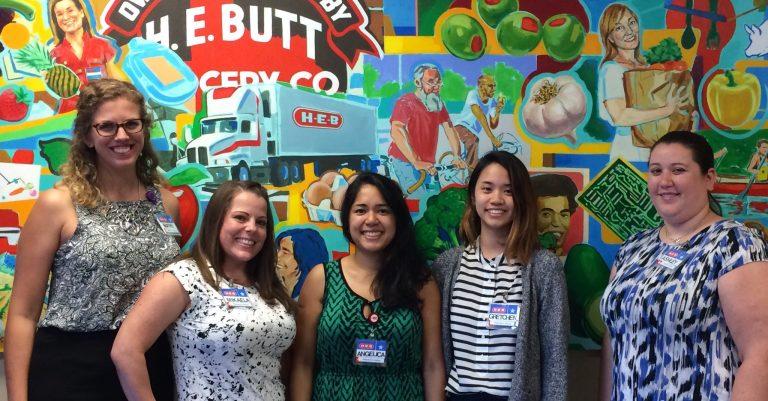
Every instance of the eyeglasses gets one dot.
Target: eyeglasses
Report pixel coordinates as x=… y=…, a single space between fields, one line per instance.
x=433 y=83
x=109 y=128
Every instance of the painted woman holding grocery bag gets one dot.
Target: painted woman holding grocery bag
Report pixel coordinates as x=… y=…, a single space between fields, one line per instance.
x=504 y=303
x=620 y=35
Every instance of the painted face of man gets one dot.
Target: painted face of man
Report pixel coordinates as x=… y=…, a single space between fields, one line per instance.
x=486 y=88
x=554 y=219
x=429 y=89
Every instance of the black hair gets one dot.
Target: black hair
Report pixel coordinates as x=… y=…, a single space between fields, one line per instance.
x=522 y=239
x=701 y=151
x=403 y=271
x=555 y=185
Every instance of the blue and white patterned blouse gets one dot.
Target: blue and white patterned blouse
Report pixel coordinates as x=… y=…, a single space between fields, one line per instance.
x=668 y=333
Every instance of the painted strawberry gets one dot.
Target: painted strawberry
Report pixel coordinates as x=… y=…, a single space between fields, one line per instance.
x=14 y=103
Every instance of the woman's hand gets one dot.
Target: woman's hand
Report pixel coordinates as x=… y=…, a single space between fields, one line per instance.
x=676 y=97
x=160 y=304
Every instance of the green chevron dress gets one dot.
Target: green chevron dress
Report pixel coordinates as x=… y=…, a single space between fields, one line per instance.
x=337 y=378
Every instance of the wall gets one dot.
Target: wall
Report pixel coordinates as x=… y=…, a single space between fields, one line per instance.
x=545 y=68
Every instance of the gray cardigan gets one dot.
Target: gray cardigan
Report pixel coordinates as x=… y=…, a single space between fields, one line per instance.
x=541 y=364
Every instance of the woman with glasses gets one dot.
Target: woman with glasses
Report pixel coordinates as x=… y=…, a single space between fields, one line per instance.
x=100 y=233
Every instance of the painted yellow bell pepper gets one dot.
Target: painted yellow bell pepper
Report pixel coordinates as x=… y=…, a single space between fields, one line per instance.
x=733 y=97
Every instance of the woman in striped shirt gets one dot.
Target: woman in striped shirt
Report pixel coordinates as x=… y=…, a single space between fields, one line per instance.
x=505 y=313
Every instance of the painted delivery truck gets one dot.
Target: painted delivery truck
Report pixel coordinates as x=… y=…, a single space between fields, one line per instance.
x=268 y=132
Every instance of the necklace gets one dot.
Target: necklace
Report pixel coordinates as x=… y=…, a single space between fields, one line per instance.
x=129 y=215
x=679 y=239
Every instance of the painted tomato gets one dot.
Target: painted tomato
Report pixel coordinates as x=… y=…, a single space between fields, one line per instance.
x=493 y=11
x=463 y=36
x=564 y=37
x=519 y=33
x=188 y=211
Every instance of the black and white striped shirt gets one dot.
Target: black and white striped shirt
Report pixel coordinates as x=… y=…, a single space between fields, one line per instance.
x=484 y=358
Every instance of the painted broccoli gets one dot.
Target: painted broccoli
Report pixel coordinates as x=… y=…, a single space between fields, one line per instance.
x=438 y=228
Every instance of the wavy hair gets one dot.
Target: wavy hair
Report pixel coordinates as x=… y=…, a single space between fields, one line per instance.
x=522 y=239
x=207 y=251
x=403 y=271
x=80 y=173
x=57 y=31
x=608 y=20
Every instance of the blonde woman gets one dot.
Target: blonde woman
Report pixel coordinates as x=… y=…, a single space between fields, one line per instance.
x=620 y=35
x=98 y=233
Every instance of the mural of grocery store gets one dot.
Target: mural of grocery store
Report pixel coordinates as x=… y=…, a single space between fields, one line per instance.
x=304 y=95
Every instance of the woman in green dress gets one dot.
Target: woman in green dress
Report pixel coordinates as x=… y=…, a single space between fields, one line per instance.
x=369 y=323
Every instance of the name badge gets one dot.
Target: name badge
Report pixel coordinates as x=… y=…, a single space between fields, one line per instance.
x=167 y=225
x=93 y=73
x=370 y=352
x=671 y=258
x=236 y=297
x=503 y=316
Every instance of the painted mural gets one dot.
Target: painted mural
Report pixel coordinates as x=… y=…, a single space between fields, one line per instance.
x=303 y=95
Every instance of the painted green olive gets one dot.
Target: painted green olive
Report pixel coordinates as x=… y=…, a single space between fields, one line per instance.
x=519 y=33
x=493 y=11
x=564 y=37
x=463 y=36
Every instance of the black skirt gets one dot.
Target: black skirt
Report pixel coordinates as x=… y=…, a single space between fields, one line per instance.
x=76 y=366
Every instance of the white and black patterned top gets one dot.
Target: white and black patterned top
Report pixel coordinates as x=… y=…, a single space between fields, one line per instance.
x=227 y=353
x=668 y=333
x=98 y=274
x=484 y=358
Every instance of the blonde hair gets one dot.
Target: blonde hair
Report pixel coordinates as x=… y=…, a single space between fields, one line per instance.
x=608 y=20
x=80 y=173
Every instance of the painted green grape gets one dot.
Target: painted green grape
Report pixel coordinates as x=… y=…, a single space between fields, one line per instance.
x=463 y=36
x=493 y=11
x=519 y=33
x=564 y=37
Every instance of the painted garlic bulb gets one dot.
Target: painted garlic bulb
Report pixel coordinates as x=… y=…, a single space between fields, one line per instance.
x=555 y=108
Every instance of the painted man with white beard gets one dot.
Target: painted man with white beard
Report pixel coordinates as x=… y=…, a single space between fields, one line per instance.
x=416 y=121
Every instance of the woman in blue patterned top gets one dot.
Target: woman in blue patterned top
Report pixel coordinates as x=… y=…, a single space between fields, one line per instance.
x=686 y=309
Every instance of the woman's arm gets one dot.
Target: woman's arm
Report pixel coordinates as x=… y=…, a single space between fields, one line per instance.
x=606 y=360
x=745 y=306
x=433 y=366
x=43 y=231
x=160 y=304
x=616 y=105
x=554 y=329
x=752 y=167
x=310 y=307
